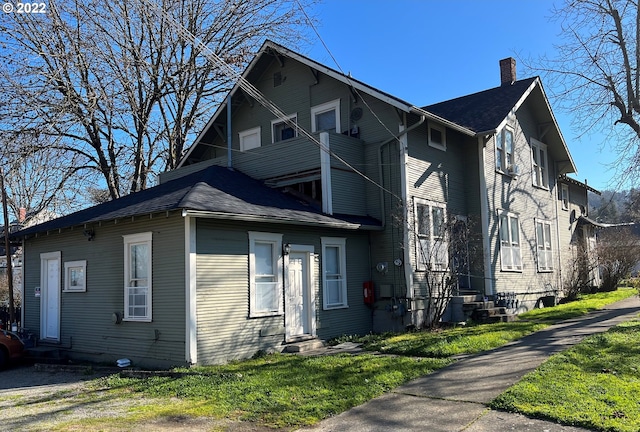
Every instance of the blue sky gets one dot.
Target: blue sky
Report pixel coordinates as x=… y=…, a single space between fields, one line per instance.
x=427 y=51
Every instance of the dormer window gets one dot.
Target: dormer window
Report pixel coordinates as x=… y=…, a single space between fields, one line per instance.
x=504 y=151
x=281 y=130
x=437 y=137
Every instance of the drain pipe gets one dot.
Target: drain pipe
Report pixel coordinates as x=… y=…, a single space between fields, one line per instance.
x=229 y=134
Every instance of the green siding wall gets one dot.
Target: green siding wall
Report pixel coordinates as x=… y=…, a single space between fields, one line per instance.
x=86 y=325
x=225 y=331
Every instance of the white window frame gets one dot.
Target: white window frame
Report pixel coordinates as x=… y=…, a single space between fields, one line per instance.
x=131 y=240
x=504 y=159
x=275 y=240
x=544 y=245
x=540 y=164
x=249 y=132
x=438 y=257
x=276 y=122
x=70 y=266
x=443 y=132
x=564 y=196
x=341 y=244
x=510 y=250
x=325 y=107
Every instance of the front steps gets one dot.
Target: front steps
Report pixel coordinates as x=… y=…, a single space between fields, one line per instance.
x=476 y=308
x=303 y=345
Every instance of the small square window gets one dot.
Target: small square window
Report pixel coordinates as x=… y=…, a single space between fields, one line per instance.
x=281 y=130
x=249 y=139
x=326 y=117
x=75 y=276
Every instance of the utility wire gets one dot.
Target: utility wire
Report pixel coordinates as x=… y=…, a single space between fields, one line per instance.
x=251 y=90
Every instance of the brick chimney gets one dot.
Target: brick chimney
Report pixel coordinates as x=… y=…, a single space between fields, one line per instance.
x=507 y=71
x=23 y=214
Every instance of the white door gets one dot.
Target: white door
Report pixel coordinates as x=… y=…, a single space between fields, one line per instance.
x=299 y=299
x=50 y=296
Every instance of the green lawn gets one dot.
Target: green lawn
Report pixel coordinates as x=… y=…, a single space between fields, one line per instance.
x=595 y=384
x=289 y=390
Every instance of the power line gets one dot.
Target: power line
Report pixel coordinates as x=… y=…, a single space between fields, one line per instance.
x=251 y=90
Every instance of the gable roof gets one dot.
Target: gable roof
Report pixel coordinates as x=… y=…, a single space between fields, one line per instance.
x=215 y=192
x=271 y=51
x=485 y=110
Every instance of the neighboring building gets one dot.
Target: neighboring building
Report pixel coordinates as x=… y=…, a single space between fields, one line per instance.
x=264 y=236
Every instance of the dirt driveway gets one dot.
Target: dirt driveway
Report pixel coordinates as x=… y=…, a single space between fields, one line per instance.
x=36 y=400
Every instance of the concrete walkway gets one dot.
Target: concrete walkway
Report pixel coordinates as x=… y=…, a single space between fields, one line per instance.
x=455 y=398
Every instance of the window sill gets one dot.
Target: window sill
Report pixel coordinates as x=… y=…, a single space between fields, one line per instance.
x=511 y=270
x=335 y=307
x=545 y=188
x=143 y=320
x=266 y=314
x=74 y=291
x=545 y=271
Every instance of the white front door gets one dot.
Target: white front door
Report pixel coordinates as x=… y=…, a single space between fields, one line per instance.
x=50 y=296
x=299 y=298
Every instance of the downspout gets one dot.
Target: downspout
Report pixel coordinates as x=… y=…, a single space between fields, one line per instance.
x=484 y=220
x=404 y=191
x=554 y=196
x=229 y=134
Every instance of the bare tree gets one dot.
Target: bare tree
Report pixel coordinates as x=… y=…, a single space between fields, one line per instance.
x=447 y=251
x=117 y=85
x=618 y=253
x=595 y=73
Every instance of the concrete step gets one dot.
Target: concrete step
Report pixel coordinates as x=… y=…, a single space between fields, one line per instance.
x=303 y=346
x=45 y=354
x=499 y=318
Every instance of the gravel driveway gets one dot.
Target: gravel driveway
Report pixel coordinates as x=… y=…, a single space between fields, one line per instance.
x=32 y=399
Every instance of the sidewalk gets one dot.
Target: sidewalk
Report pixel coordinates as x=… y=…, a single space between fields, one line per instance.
x=455 y=398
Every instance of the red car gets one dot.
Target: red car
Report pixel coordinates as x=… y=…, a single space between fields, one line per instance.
x=11 y=348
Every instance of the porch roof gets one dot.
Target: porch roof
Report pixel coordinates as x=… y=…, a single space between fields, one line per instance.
x=212 y=192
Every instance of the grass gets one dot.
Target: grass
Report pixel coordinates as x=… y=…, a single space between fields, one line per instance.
x=595 y=384
x=282 y=391
x=476 y=338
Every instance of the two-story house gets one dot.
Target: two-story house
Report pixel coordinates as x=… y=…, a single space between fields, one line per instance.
x=319 y=218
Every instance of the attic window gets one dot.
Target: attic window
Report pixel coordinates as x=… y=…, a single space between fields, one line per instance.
x=437 y=137
x=326 y=117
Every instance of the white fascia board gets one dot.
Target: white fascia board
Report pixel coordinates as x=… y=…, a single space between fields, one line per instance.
x=445 y=122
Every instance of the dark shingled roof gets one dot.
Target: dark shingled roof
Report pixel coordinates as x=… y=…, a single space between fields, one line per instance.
x=216 y=190
x=482 y=111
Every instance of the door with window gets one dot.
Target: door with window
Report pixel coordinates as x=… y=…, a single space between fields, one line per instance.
x=299 y=311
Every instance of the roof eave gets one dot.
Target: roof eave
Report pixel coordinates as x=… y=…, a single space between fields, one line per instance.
x=271 y=219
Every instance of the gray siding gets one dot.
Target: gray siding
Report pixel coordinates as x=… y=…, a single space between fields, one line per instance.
x=225 y=331
x=530 y=203
x=86 y=325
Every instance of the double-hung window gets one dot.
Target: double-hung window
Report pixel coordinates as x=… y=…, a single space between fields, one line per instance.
x=564 y=196
x=137 y=277
x=265 y=274
x=334 y=271
x=540 y=164
x=544 y=248
x=283 y=130
x=510 y=257
x=504 y=150
x=432 y=249
x=326 y=117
